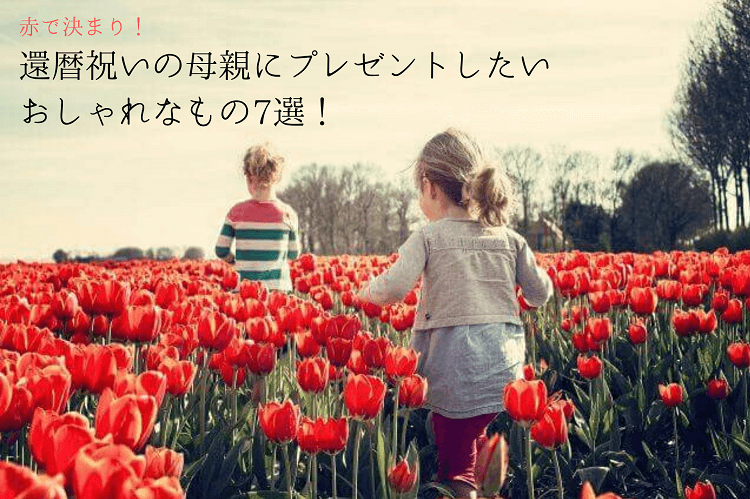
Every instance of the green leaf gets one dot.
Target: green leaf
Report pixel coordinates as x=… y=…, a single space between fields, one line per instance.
x=382 y=464
x=442 y=490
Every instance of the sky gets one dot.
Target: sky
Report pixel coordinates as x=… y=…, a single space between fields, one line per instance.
x=614 y=68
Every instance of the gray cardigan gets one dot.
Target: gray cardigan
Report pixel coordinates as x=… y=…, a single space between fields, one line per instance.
x=470 y=274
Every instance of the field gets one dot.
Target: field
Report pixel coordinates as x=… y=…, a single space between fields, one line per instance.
x=169 y=379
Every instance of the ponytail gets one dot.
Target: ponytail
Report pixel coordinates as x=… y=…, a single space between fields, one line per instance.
x=489 y=196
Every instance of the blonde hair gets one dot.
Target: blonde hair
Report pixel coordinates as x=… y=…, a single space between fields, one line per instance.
x=454 y=162
x=263 y=164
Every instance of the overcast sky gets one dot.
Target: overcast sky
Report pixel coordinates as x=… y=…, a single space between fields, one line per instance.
x=613 y=71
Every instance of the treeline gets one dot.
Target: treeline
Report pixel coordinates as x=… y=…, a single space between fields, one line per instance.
x=350 y=209
x=565 y=199
x=711 y=122
x=131 y=253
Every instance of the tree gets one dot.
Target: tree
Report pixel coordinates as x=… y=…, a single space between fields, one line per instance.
x=665 y=203
x=587 y=226
x=711 y=125
x=60 y=256
x=128 y=253
x=164 y=253
x=194 y=253
x=523 y=165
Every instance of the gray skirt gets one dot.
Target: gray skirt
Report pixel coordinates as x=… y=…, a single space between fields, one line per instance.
x=467 y=367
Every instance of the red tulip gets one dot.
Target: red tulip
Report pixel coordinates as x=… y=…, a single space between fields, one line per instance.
x=637 y=333
x=364 y=395
x=356 y=363
x=587 y=492
x=599 y=328
x=551 y=430
x=50 y=387
x=706 y=321
x=685 y=323
x=19 y=482
x=739 y=354
x=162 y=462
x=339 y=350
x=400 y=362
x=19 y=410
x=671 y=394
x=153 y=383
x=180 y=375
x=105 y=470
x=733 y=312
x=693 y=294
x=167 y=487
x=401 y=478
x=525 y=401
x=110 y=297
x=589 y=367
x=312 y=374
x=54 y=440
x=413 y=391
x=717 y=389
x=599 y=301
x=216 y=330
x=139 y=324
x=374 y=351
x=492 y=465
x=701 y=490
x=129 y=419
x=65 y=305
x=669 y=290
x=327 y=435
x=643 y=300
x=259 y=358
x=306 y=344
x=720 y=301
x=331 y=435
x=279 y=421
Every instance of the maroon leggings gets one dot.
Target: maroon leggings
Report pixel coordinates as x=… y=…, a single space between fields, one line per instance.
x=456 y=441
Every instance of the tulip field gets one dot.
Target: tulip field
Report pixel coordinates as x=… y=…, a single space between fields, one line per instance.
x=145 y=379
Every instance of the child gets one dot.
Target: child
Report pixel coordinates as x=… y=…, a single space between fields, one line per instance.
x=265 y=228
x=467 y=328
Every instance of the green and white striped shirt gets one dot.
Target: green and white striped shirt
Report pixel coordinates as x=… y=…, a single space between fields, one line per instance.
x=266 y=234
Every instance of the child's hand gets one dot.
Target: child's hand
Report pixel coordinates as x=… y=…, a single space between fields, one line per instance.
x=229 y=258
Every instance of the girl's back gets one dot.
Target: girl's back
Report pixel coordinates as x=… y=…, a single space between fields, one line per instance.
x=471 y=273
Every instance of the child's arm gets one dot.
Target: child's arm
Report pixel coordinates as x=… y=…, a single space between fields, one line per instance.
x=536 y=284
x=393 y=284
x=224 y=243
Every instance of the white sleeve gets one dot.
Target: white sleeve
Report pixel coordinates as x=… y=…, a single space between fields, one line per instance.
x=393 y=284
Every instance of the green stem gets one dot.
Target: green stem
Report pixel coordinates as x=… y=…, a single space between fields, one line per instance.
x=314 y=468
x=333 y=475
x=166 y=413
x=529 y=475
x=560 y=493
x=372 y=466
x=676 y=443
x=136 y=359
x=204 y=388
x=355 y=466
x=403 y=432
x=288 y=471
x=394 y=429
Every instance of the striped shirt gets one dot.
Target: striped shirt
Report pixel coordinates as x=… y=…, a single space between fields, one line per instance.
x=267 y=236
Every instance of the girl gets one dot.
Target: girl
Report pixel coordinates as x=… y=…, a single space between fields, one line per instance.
x=467 y=328
x=265 y=228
